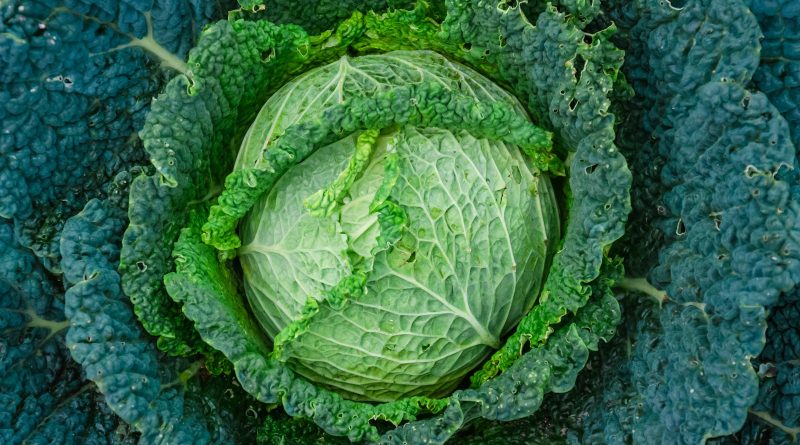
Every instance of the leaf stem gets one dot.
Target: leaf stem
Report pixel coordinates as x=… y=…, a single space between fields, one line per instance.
x=771 y=420
x=642 y=286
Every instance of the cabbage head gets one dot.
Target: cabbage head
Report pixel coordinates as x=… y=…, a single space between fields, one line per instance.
x=384 y=224
x=391 y=262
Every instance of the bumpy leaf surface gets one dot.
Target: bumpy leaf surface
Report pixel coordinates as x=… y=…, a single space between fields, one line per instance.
x=775 y=418
x=162 y=398
x=77 y=78
x=75 y=84
x=44 y=396
x=204 y=122
x=726 y=217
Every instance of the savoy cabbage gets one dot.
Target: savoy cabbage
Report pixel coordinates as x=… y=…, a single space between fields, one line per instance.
x=399 y=221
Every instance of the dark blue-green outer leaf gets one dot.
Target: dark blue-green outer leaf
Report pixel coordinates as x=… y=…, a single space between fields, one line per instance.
x=714 y=197
x=44 y=397
x=167 y=400
x=76 y=80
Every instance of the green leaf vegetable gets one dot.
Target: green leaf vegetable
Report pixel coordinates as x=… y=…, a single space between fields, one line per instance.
x=417 y=218
x=399 y=222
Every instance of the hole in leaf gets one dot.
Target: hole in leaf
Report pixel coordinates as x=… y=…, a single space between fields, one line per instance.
x=525 y=347
x=590 y=169
x=382 y=425
x=267 y=54
x=680 y=230
x=505 y=5
x=579 y=64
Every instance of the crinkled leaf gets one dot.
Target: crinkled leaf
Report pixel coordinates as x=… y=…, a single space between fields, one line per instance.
x=44 y=396
x=76 y=82
x=726 y=221
x=160 y=397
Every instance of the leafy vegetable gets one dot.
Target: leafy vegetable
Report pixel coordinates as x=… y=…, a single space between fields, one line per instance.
x=427 y=224
x=399 y=222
